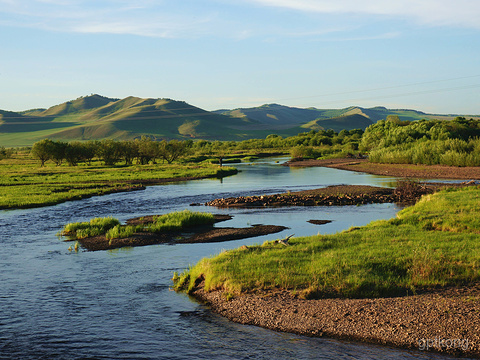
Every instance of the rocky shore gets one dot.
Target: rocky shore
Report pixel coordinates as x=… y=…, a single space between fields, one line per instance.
x=444 y=321
x=337 y=195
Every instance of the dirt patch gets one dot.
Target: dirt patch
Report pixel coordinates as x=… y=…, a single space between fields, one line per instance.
x=446 y=320
x=194 y=234
x=396 y=170
x=319 y=222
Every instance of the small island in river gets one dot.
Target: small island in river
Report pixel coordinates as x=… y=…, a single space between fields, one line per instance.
x=139 y=231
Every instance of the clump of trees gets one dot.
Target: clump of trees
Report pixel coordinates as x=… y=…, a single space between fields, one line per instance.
x=5 y=153
x=454 y=143
x=111 y=152
x=311 y=144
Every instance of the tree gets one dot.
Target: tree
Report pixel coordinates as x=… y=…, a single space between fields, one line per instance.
x=43 y=150
x=172 y=150
x=58 y=152
x=109 y=151
x=73 y=153
x=89 y=150
x=129 y=151
x=147 y=150
x=5 y=153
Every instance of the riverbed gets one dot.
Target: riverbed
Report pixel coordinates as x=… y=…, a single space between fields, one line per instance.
x=58 y=304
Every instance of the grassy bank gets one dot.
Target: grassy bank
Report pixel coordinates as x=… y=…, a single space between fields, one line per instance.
x=432 y=244
x=23 y=184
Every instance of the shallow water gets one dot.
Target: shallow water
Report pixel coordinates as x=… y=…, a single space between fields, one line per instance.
x=56 y=304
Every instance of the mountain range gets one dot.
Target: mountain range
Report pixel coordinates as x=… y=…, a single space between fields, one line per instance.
x=100 y=117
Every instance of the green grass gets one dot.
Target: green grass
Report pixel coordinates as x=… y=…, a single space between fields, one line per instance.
x=121 y=232
x=430 y=212
x=179 y=220
x=24 y=184
x=112 y=229
x=94 y=227
x=385 y=258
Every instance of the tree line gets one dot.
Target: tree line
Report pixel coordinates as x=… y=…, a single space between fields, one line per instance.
x=111 y=152
x=455 y=142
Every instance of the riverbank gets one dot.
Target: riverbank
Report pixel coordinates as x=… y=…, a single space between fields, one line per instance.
x=395 y=170
x=411 y=282
x=446 y=320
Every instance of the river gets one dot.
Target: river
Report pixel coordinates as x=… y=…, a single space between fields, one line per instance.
x=57 y=304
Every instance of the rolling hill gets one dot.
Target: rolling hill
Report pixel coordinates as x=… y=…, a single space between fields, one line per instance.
x=99 y=117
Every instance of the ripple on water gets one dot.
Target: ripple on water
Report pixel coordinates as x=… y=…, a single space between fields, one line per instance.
x=117 y=305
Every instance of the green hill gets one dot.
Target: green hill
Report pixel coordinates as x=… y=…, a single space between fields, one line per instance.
x=99 y=117
x=353 y=121
x=274 y=114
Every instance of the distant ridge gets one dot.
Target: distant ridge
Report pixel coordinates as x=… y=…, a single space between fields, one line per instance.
x=99 y=117
x=348 y=122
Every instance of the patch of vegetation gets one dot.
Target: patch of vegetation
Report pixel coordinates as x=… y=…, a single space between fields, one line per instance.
x=179 y=220
x=433 y=243
x=94 y=227
x=112 y=229
x=429 y=142
x=121 y=232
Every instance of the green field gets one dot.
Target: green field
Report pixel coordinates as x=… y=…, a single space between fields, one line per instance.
x=431 y=244
x=24 y=184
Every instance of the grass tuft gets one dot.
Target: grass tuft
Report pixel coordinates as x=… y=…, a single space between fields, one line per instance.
x=179 y=220
x=94 y=227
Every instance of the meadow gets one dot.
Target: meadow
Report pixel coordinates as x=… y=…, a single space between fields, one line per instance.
x=429 y=245
x=24 y=184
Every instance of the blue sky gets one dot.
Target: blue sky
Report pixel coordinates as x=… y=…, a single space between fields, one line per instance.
x=420 y=54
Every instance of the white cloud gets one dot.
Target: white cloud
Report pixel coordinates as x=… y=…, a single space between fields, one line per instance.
x=228 y=18
x=141 y=17
x=430 y=12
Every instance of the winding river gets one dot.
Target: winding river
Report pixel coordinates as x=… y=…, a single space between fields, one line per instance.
x=56 y=304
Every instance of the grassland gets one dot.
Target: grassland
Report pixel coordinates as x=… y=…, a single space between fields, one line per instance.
x=432 y=244
x=24 y=184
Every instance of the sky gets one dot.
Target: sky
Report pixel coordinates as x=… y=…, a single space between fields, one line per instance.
x=225 y=54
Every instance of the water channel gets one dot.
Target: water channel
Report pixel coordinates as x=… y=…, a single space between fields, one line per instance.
x=56 y=304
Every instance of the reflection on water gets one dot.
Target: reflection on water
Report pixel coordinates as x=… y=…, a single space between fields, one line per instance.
x=56 y=304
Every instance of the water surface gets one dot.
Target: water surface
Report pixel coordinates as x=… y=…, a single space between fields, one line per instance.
x=56 y=304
